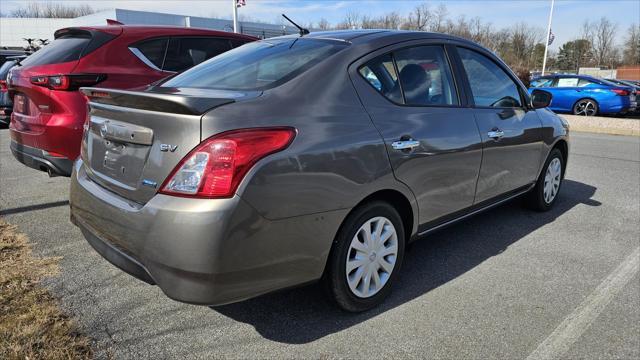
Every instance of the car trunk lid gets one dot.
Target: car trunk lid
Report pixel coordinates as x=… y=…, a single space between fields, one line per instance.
x=133 y=140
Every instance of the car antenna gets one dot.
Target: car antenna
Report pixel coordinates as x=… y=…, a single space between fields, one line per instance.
x=303 y=31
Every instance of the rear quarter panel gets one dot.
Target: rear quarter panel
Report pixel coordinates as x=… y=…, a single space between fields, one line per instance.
x=337 y=158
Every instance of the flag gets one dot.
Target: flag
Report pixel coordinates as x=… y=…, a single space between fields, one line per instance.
x=551 y=37
x=241 y=3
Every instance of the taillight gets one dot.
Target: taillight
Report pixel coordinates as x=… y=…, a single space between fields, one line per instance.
x=621 y=92
x=215 y=168
x=3 y=86
x=68 y=82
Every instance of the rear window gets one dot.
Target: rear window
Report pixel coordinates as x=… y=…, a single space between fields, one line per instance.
x=68 y=47
x=258 y=65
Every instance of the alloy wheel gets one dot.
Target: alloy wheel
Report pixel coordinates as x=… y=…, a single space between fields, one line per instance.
x=586 y=108
x=371 y=257
x=552 y=180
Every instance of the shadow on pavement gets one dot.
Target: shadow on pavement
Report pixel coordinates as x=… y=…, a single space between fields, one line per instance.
x=303 y=315
x=33 y=207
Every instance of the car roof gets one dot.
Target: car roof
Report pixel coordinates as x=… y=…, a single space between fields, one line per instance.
x=366 y=35
x=160 y=30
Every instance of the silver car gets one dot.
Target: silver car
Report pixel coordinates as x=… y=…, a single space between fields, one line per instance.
x=305 y=158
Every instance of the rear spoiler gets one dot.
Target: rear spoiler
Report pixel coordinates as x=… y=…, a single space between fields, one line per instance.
x=171 y=103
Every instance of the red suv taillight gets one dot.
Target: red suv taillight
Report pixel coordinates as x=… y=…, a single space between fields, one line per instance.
x=68 y=82
x=621 y=92
x=215 y=168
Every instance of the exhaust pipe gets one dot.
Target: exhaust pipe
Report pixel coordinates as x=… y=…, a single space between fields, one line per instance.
x=49 y=171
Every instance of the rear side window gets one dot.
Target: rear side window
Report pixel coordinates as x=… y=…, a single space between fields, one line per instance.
x=151 y=52
x=490 y=84
x=585 y=82
x=235 y=43
x=185 y=52
x=381 y=74
x=258 y=65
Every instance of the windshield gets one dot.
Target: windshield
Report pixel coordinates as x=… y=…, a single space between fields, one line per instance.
x=257 y=65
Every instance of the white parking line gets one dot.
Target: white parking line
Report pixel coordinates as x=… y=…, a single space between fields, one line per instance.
x=574 y=325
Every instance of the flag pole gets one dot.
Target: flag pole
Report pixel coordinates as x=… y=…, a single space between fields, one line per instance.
x=235 y=16
x=546 y=44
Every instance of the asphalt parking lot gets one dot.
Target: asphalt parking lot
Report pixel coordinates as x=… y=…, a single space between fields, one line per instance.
x=509 y=283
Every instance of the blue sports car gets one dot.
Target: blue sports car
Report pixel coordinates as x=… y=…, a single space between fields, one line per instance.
x=586 y=95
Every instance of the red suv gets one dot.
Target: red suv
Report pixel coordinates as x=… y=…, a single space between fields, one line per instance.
x=49 y=111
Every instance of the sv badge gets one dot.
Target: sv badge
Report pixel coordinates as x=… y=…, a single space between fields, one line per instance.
x=168 y=147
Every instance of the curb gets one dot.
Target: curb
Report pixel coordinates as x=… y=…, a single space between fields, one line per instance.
x=603 y=125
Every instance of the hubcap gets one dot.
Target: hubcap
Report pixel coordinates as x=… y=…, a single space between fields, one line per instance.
x=552 y=180
x=586 y=108
x=371 y=257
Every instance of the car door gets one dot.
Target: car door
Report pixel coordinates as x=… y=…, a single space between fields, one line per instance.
x=511 y=131
x=431 y=138
x=546 y=84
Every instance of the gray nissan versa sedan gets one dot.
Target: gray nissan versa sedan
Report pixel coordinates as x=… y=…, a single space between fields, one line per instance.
x=302 y=158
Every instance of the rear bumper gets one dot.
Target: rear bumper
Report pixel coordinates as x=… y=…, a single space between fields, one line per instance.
x=60 y=134
x=201 y=251
x=40 y=160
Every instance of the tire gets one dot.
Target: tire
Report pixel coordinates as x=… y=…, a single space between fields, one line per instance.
x=586 y=107
x=351 y=294
x=540 y=200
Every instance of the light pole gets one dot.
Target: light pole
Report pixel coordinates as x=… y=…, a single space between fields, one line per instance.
x=235 y=15
x=546 y=45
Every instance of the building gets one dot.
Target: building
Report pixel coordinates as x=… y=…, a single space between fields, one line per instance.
x=13 y=31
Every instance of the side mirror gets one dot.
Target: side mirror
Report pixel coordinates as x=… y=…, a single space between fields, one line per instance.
x=540 y=98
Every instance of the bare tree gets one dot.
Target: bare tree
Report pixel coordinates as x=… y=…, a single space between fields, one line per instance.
x=419 y=18
x=351 y=21
x=52 y=10
x=391 y=20
x=603 y=41
x=520 y=45
x=369 y=22
x=323 y=24
x=439 y=18
x=631 y=52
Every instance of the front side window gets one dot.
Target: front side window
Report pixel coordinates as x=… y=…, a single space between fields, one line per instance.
x=185 y=52
x=490 y=84
x=425 y=76
x=258 y=65
x=541 y=83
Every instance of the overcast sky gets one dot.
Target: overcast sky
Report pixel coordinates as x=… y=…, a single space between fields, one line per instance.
x=567 y=20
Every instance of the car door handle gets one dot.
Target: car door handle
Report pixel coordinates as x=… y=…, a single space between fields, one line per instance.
x=495 y=134
x=405 y=144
